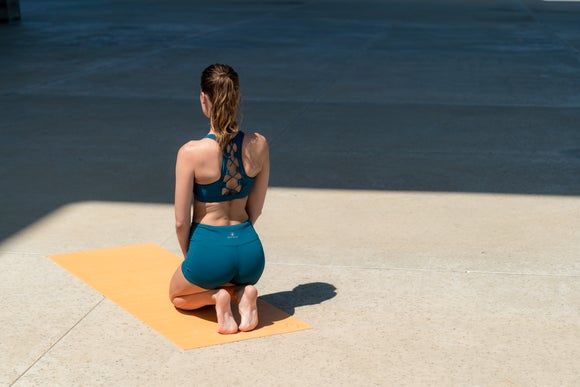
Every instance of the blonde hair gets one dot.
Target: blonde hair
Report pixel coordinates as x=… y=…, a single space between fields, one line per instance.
x=221 y=84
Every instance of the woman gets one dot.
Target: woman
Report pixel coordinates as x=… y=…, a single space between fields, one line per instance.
x=225 y=174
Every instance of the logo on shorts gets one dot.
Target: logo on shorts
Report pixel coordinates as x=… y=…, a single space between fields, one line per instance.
x=232 y=236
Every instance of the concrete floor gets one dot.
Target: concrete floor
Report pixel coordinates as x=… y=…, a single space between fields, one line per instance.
x=424 y=209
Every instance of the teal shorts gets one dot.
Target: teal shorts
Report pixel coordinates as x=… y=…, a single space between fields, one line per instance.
x=219 y=255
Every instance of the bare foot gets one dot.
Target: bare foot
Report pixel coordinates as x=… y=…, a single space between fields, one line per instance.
x=223 y=309
x=248 y=307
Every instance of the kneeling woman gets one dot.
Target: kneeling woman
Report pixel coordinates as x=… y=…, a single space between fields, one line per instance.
x=225 y=174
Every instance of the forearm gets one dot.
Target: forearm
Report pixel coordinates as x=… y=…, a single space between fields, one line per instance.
x=182 y=231
x=253 y=215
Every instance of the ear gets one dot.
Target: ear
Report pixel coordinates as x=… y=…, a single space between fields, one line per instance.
x=205 y=103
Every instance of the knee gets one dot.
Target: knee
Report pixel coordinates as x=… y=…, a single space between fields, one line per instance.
x=174 y=297
x=178 y=302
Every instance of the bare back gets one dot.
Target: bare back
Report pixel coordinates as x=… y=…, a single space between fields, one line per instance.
x=202 y=160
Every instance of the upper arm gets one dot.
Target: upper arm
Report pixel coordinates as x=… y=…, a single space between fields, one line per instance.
x=257 y=195
x=184 y=177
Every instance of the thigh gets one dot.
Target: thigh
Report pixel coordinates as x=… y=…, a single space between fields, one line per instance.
x=180 y=286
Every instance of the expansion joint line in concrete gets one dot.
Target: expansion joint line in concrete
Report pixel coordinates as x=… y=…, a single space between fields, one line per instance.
x=57 y=341
x=9 y=252
x=411 y=269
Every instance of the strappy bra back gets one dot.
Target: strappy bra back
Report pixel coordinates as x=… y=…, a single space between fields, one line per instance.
x=233 y=183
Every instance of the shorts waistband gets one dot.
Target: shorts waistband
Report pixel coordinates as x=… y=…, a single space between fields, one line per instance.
x=231 y=234
x=228 y=227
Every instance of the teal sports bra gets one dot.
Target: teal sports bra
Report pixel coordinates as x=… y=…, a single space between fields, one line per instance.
x=233 y=183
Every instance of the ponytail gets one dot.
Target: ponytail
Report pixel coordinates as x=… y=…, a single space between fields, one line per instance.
x=221 y=84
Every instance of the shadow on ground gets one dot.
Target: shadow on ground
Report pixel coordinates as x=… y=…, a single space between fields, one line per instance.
x=302 y=295
x=306 y=294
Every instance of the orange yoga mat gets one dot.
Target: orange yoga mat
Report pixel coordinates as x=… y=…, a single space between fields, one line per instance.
x=137 y=278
